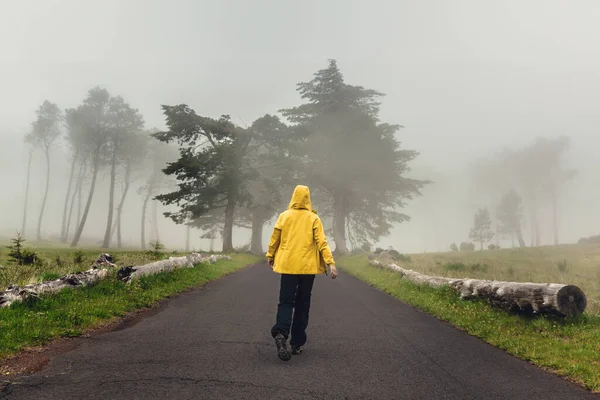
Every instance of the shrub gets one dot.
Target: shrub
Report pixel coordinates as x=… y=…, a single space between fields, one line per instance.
x=467 y=246
x=455 y=266
x=589 y=240
x=453 y=247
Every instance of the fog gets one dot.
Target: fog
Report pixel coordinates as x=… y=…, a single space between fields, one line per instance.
x=465 y=79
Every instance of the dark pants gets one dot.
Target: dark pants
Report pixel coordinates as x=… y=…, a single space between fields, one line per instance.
x=293 y=308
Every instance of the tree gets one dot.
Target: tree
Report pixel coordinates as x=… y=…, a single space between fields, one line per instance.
x=482 y=227
x=159 y=154
x=92 y=117
x=270 y=174
x=510 y=215
x=123 y=122
x=32 y=144
x=131 y=153
x=76 y=142
x=340 y=137
x=46 y=130
x=209 y=170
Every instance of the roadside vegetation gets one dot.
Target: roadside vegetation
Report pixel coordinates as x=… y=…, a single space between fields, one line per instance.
x=73 y=311
x=568 y=347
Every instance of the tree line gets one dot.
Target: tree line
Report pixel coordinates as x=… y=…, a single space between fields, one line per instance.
x=215 y=175
x=103 y=133
x=517 y=184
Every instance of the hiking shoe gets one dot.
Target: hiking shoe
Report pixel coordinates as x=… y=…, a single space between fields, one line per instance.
x=282 y=349
x=296 y=350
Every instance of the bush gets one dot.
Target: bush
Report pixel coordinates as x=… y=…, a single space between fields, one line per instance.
x=467 y=246
x=493 y=247
x=366 y=247
x=453 y=247
x=455 y=266
x=156 y=249
x=590 y=240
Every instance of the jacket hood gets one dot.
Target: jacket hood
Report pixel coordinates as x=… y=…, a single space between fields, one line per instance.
x=301 y=199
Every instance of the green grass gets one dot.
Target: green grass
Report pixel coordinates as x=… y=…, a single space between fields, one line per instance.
x=570 y=348
x=72 y=311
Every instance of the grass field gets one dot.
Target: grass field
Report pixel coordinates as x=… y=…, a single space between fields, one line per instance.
x=73 y=311
x=569 y=264
x=568 y=347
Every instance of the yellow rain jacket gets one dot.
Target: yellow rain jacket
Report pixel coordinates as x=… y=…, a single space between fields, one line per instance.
x=298 y=243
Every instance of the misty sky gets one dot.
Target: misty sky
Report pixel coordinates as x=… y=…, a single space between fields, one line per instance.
x=464 y=77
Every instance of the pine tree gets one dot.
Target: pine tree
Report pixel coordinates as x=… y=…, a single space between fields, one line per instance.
x=209 y=170
x=344 y=151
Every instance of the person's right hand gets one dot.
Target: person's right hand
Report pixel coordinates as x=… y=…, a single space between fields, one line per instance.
x=271 y=262
x=334 y=272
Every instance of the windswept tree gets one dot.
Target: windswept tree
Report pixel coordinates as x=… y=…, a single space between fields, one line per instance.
x=123 y=122
x=271 y=175
x=348 y=153
x=132 y=152
x=93 y=118
x=46 y=129
x=32 y=145
x=75 y=138
x=510 y=216
x=209 y=170
x=482 y=227
x=159 y=154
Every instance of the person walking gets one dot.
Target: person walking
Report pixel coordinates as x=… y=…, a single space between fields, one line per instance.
x=298 y=250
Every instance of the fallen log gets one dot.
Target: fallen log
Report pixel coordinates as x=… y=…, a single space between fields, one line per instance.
x=99 y=270
x=15 y=293
x=543 y=298
x=128 y=274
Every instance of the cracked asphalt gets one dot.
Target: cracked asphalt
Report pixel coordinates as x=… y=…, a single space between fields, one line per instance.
x=214 y=343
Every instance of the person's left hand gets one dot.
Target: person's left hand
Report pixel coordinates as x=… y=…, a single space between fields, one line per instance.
x=271 y=262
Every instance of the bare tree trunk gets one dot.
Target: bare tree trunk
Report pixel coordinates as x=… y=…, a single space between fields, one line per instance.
x=121 y=205
x=76 y=192
x=519 y=233
x=187 y=237
x=39 y=228
x=155 y=220
x=212 y=243
x=89 y=199
x=63 y=230
x=256 y=246
x=80 y=196
x=111 y=197
x=339 y=225
x=144 y=208
x=26 y=192
x=555 y=218
x=228 y=229
x=113 y=229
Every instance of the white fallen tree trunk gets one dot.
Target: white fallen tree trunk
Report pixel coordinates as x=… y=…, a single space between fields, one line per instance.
x=15 y=293
x=130 y=273
x=544 y=298
x=101 y=270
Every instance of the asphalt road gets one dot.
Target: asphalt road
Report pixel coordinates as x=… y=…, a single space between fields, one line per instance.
x=215 y=343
